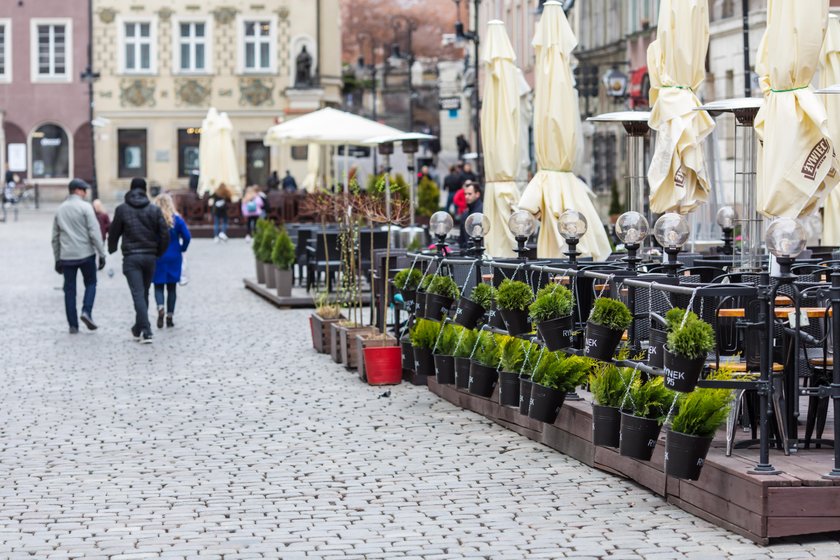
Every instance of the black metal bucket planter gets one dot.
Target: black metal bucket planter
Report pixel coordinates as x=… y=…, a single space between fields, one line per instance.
x=685 y=455
x=437 y=306
x=424 y=364
x=508 y=388
x=545 y=403
x=557 y=333
x=606 y=425
x=468 y=313
x=656 y=348
x=494 y=318
x=420 y=303
x=516 y=322
x=407 y=354
x=444 y=369
x=408 y=300
x=638 y=436
x=462 y=372
x=681 y=373
x=600 y=342
x=525 y=388
x=483 y=380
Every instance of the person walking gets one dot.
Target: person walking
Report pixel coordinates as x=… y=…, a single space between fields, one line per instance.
x=451 y=184
x=168 y=267
x=252 y=209
x=76 y=242
x=475 y=205
x=102 y=217
x=289 y=183
x=145 y=237
x=219 y=202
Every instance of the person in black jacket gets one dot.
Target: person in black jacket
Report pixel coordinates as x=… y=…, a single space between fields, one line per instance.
x=145 y=237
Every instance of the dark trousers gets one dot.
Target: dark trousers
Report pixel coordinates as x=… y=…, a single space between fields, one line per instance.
x=170 y=296
x=252 y=224
x=88 y=268
x=139 y=270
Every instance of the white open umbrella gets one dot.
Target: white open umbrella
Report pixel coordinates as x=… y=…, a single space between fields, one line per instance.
x=327 y=126
x=500 y=123
x=676 y=64
x=796 y=162
x=555 y=188
x=830 y=75
x=217 y=155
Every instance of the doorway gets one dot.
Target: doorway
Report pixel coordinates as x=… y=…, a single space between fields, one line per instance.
x=257 y=166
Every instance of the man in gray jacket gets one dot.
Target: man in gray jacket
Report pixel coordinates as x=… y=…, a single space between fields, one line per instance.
x=76 y=242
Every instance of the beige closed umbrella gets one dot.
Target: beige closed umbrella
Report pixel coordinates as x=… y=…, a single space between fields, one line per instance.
x=555 y=188
x=830 y=75
x=217 y=155
x=313 y=167
x=500 y=123
x=796 y=162
x=677 y=66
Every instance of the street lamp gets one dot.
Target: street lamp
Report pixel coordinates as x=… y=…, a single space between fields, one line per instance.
x=572 y=226
x=632 y=229
x=786 y=238
x=477 y=227
x=726 y=220
x=463 y=35
x=522 y=224
x=401 y=22
x=440 y=224
x=671 y=231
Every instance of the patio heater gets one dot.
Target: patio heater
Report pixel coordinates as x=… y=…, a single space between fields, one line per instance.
x=386 y=149
x=635 y=124
x=747 y=217
x=410 y=148
x=522 y=225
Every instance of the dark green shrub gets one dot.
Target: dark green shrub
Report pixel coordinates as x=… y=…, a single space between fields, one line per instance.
x=424 y=333
x=266 y=245
x=513 y=295
x=407 y=279
x=610 y=313
x=283 y=251
x=448 y=339
x=692 y=340
x=444 y=286
x=483 y=294
x=559 y=371
x=608 y=383
x=487 y=352
x=424 y=283
x=512 y=353
x=701 y=412
x=650 y=399
x=674 y=318
x=466 y=343
x=428 y=197
x=553 y=302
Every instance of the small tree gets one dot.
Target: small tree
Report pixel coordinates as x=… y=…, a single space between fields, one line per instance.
x=283 y=251
x=428 y=197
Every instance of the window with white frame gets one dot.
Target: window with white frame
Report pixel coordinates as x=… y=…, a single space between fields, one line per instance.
x=5 y=50
x=51 y=50
x=193 y=46
x=138 y=47
x=257 y=42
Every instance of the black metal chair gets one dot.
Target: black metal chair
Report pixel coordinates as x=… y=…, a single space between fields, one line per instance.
x=325 y=254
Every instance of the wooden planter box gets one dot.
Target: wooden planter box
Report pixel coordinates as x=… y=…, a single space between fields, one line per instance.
x=350 y=355
x=362 y=343
x=339 y=340
x=321 y=333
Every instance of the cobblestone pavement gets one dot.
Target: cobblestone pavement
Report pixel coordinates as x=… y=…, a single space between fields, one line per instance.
x=230 y=438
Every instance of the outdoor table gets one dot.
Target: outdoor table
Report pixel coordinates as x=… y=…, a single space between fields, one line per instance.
x=781 y=312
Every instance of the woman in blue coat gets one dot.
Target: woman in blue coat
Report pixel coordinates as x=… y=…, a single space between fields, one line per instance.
x=168 y=267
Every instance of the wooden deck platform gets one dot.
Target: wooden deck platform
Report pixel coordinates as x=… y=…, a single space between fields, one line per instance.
x=299 y=298
x=797 y=502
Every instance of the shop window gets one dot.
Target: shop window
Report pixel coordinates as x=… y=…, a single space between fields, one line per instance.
x=50 y=152
x=188 y=140
x=131 y=144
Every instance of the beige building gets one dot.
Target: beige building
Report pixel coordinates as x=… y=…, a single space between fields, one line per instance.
x=164 y=63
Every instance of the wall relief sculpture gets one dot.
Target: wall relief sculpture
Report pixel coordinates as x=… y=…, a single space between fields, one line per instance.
x=137 y=93
x=256 y=92
x=193 y=91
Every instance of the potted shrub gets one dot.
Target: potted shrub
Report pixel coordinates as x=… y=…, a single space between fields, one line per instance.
x=406 y=282
x=374 y=339
x=533 y=353
x=471 y=310
x=440 y=295
x=607 y=322
x=423 y=335
x=444 y=354
x=407 y=353
x=283 y=257
x=552 y=312
x=657 y=338
x=555 y=375
x=511 y=359
x=463 y=350
x=485 y=360
x=263 y=252
x=420 y=295
x=256 y=244
x=512 y=299
x=325 y=314
x=689 y=343
x=642 y=417
x=608 y=384
x=699 y=415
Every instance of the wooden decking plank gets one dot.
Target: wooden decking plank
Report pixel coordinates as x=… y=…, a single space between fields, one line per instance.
x=726 y=524
x=641 y=471
x=793 y=526
x=722 y=508
x=805 y=501
x=569 y=444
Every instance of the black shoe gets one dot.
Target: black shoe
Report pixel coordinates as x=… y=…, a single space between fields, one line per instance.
x=146 y=338
x=74 y=330
x=135 y=332
x=160 y=319
x=85 y=318
x=169 y=321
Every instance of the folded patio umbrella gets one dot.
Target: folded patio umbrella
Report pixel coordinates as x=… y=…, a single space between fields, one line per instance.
x=217 y=155
x=830 y=75
x=555 y=188
x=676 y=64
x=796 y=162
x=313 y=168
x=500 y=123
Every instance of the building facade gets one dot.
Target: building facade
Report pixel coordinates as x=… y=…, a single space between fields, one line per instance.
x=164 y=63
x=44 y=105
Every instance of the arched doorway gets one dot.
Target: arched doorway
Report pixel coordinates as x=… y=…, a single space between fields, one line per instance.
x=14 y=135
x=50 y=152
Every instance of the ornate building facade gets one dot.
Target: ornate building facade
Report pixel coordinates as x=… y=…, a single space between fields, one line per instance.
x=164 y=63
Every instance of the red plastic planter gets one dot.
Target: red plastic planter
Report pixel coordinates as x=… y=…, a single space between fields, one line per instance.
x=383 y=365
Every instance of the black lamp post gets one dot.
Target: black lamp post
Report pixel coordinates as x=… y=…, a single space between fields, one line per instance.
x=361 y=37
x=671 y=231
x=726 y=220
x=473 y=36
x=89 y=76
x=572 y=226
x=399 y=23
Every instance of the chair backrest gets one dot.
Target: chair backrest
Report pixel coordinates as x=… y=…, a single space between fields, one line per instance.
x=325 y=242
x=303 y=237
